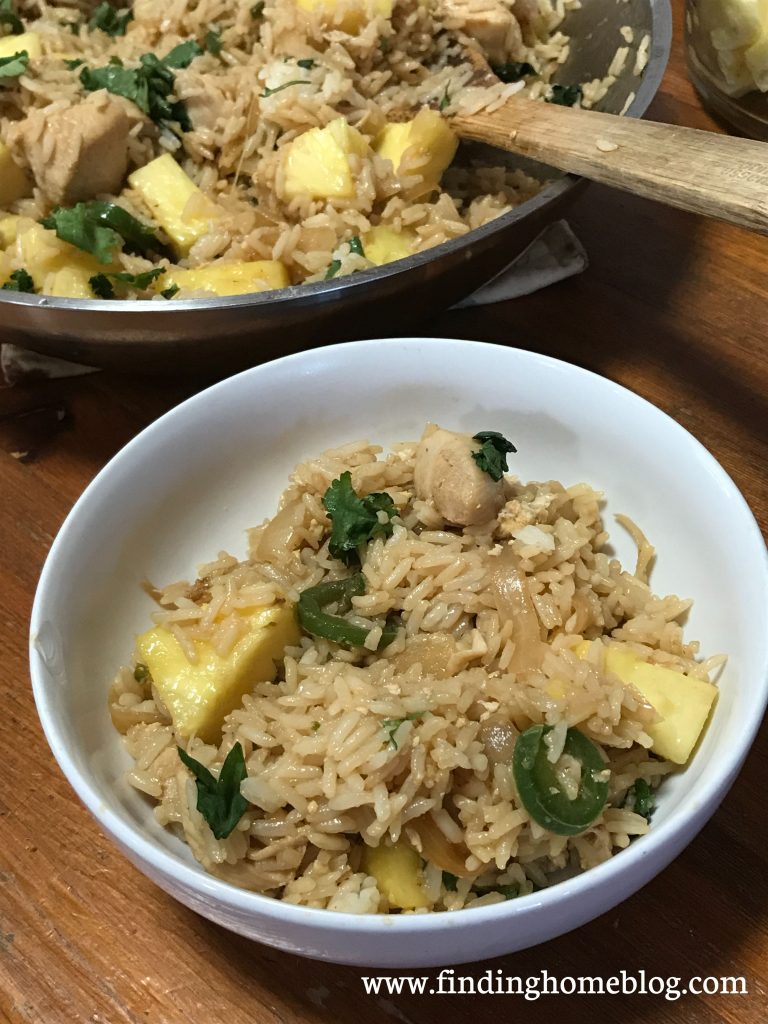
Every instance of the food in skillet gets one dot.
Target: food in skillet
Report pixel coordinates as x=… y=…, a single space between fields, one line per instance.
x=223 y=148
x=428 y=687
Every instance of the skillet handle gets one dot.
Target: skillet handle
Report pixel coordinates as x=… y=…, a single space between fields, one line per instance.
x=713 y=175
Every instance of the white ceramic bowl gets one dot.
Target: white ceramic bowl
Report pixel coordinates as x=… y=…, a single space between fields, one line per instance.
x=193 y=481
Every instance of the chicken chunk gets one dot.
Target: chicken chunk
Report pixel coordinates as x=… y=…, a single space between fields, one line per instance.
x=528 y=508
x=490 y=23
x=77 y=152
x=447 y=475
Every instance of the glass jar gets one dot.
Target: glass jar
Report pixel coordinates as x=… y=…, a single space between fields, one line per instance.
x=726 y=48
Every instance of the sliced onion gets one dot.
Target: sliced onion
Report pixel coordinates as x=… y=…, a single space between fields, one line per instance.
x=433 y=651
x=498 y=736
x=513 y=602
x=437 y=850
x=279 y=535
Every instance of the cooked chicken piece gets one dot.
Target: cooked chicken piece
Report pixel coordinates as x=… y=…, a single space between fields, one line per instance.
x=490 y=23
x=448 y=476
x=77 y=152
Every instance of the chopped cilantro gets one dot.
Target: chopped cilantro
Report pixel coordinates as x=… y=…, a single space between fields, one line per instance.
x=219 y=800
x=356 y=246
x=640 y=798
x=10 y=18
x=445 y=100
x=168 y=293
x=103 y=288
x=384 y=45
x=509 y=892
x=15 y=65
x=449 y=881
x=279 y=88
x=564 y=95
x=355 y=521
x=307 y=63
x=106 y=18
x=333 y=268
x=75 y=63
x=513 y=70
x=258 y=9
x=391 y=725
x=150 y=85
x=20 y=281
x=213 y=41
x=141 y=672
x=492 y=457
x=315 y=726
x=99 y=228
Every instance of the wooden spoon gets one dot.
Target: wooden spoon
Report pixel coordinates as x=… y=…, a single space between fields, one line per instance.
x=717 y=176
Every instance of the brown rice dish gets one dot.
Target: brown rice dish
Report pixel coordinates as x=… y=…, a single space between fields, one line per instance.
x=429 y=686
x=220 y=147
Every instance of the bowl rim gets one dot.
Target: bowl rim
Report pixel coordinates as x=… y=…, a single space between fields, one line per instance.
x=673 y=833
x=661 y=43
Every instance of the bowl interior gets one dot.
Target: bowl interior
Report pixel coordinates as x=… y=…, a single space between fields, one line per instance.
x=191 y=484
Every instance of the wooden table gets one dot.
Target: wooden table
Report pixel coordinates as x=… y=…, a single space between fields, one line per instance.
x=673 y=307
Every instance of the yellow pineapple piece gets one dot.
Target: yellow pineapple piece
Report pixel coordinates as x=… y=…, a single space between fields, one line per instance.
x=684 y=703
x=397 y=870
x=27 y=41
x=9 y=229
x=348 y=15
x=424 y=146
x=176 y=202
x=44 y=256
x=223 y=278
x=14 y=183
x=199 y=695
x=316 y=164
x=383 y=244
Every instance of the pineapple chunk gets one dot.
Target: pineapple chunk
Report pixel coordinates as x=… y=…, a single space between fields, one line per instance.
x=683 y=703
x=317 y=162
x=737 y=77
x=348 y=15
x=175 y=201
x=385 y=245
x=14 y=182
x=756 y=59
x=231 y=278
x=29 y=41
x=44 y=256
x=733 y=23
x=428 y=144
x=198 y=696
x=9 y=229
x=5 y=268
x=397 y=870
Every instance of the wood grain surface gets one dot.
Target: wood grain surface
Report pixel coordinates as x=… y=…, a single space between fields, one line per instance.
x=673 y=307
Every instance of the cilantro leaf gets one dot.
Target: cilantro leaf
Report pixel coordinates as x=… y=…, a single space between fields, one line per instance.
x=391 y=725
x=103 y=288
x=150 y=85
x=640 y=798
x=182 y=55
x=492 y=457
x=333 y=268
x=564 y=95
x=9 y=17
x=446 y=99
x=355 y=521
x=140 y=672
x=213 y=41
x=509 y=892
x=20 y=281
x=15 y=65
x=106 y=18
x=258 y=9
x=168 y=293
x=99 y=228
x=307 y=63
x=219 y=800
x=75 y=63
x=513 y=70
x=450 y=881
x=356 y=246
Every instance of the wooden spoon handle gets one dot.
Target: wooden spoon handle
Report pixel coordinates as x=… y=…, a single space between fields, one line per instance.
x=715 y=175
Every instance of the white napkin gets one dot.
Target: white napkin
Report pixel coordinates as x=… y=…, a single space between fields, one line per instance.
x=554 y=255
